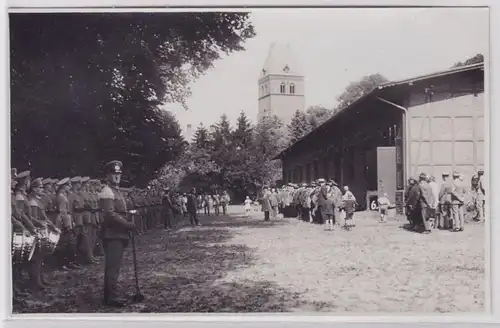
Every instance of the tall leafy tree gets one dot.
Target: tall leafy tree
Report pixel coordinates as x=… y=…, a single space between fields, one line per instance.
x=85 y=88
x=317 y=115
x=357 y=89
x=479 y=58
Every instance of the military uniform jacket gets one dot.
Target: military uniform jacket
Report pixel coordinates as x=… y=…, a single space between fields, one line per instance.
x=167 y=202
x=87 y=207
x=459 y=191
x=115 y=225
x=63 y=206
x=37 y=209
x=76 y=204
x=446 y=192
x=20 y=216
x=95 y=213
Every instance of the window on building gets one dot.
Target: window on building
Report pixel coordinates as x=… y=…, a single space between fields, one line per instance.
x=292 y=88
x=265 y=86
x=308 y=173
x=282 y=88
x=262 y=89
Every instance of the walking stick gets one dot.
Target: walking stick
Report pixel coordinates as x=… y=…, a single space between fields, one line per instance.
x=138 y=297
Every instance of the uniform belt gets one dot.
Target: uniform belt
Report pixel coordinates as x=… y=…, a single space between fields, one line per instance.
x=79 y=210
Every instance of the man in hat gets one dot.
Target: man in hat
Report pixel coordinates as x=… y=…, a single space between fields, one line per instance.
x=426 y=202
x=445 y=192
x=337 y=203
x=68 y=242
x=115 y=231
x=77 y=203
x=457 y=202
x=168 y=209
x=266 y=203
x=87 y=244
x=478 y=187
x=96 y=245
x=20 y=223
x=191 y=207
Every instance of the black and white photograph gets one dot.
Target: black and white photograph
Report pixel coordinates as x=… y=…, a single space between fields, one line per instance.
x=252 y=160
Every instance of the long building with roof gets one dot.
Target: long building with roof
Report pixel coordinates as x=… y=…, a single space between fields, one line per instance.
x=430 y=124
x=281 y=84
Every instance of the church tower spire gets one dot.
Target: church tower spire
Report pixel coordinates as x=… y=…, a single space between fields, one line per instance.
x=281 y=84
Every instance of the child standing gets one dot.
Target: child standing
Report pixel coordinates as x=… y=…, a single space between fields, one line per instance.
x=248 y=205
x=383 y=207
x=349 y=206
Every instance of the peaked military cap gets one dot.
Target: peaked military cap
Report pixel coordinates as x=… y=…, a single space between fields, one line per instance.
x=46 y=181
x=13 y=172
x=54 y=181
x=445 y=174
x=63 y=181
x=113 y=167
x=320 y=180
x=23 y=175
x=36 y=183
x=456 y=174
x=480 y=171
x=85 y=179
x=76 y=179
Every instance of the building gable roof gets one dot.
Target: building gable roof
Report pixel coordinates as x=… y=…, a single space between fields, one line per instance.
x=386 y=85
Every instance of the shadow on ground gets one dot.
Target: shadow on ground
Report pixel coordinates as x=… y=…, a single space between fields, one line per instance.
x=178 y=271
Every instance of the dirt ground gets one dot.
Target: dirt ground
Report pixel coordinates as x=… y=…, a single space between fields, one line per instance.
x=242 y=264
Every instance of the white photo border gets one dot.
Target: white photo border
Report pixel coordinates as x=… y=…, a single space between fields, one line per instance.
x=492 y=83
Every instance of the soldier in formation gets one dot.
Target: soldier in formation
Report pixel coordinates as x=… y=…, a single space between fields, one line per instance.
x=92 y=220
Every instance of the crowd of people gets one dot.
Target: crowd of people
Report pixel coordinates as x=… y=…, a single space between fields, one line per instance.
x=428 y=203
x=95 y=219
x=89 y=226
x=320 y=201
x=431 y=204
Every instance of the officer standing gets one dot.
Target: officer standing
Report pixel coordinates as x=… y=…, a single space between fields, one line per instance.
x=480 y=195
x=115 y=231
x=64 y=221
x=88 y=240
x=457 y=202
x=167 y=209
x=445 y=201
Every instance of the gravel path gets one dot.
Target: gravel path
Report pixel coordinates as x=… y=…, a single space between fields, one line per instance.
x=243 y=264
x=377 y=267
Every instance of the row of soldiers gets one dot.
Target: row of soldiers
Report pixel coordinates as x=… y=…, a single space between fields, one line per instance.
x=71 y=208
x=320 y=202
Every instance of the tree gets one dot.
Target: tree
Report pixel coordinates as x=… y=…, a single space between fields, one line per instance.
x=221 y=133
x=317 y=115
x=201 y=138
x=299 y=126
x=85 y=88
x=479 y=58
x=357 y=89
x=243 y=134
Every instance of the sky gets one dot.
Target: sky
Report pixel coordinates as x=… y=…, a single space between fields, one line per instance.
x=335 y=47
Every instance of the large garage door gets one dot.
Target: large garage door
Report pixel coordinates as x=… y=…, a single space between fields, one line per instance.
x=448 y=135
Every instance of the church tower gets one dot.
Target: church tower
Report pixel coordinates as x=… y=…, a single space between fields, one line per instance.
x=281 y=85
